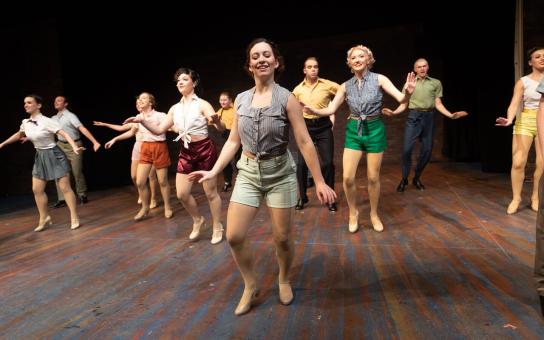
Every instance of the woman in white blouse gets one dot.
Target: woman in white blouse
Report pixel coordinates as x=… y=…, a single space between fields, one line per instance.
x=50 y=162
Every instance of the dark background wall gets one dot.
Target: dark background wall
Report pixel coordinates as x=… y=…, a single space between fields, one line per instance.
x=102 y=62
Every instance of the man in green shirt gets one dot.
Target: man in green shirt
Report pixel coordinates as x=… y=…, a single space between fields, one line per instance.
x=420 y=123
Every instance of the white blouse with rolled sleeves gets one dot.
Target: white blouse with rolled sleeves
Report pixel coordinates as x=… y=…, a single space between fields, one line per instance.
x=41 y=131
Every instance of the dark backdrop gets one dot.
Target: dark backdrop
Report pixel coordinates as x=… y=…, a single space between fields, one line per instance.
x=103 y=61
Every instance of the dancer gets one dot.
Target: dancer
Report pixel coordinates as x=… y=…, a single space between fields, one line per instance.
x=427 y=98
x=226 y=115
x=153 y=153
x=71 y=124
x=190 y=118
x=266 y=170
x=316 y=92
x=129 y=131
x=50 y=162
x=525 y=129
x=365 y=130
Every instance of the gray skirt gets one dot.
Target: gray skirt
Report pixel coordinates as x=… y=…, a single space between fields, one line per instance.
x=50 y=164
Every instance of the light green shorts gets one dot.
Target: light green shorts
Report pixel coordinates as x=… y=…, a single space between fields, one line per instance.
x=273 y=179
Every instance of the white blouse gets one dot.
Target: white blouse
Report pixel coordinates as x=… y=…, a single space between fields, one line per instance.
x=41 y=131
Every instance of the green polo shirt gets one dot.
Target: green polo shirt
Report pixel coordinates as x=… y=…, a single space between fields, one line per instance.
x=427 y=89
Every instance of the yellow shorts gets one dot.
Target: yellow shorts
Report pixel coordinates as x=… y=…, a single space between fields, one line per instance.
x=526 y=123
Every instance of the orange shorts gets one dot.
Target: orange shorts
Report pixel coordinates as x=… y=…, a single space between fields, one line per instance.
x=155 y=153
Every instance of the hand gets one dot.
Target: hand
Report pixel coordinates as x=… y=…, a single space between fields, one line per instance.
x=387 y=112
x=78 y=149
x=109 y=144
x=200 y=175
x=98 y=123
x=137 y=119
x=410 y=83
x=307 y=109
x=459 y=114
x=23 y=140
x=214 y=118
x=501 y=121
x=96 y=146
x=325 y=194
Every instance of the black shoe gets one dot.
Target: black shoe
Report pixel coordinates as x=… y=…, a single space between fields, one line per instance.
x=300 y=203
x=60 y=203
x=403 y=183
x=83 y=199
x=417 y=182
x=226 y=186
x=542 y=305
x=332 y=206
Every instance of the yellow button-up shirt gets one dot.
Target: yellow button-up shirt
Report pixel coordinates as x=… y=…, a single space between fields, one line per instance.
x=318 y=95
x=226 y=116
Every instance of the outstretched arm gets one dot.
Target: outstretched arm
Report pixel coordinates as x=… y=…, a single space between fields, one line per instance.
x=14 y=138
x=333 y=105
x=165 y=124
x=69 y=139
x=307 y=148
x=122 y=136
x=514 y=106
x=90 y=137
x=442 y=109
x=115 y=127
x=401 y=108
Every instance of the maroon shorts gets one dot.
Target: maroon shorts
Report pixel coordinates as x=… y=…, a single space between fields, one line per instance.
x=200 y=155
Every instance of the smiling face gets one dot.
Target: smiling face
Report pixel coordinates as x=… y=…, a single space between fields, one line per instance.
x=360 y=58
x=31 y=105
x=537 y=59
x=185 y=84
x=225 y=101
x=144 y=102
x=60 y=103
x=262 y=62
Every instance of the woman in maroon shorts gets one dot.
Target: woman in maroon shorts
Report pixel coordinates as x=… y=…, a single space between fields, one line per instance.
x=190 y=119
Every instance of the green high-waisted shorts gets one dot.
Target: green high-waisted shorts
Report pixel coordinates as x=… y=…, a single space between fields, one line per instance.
x=372 y=138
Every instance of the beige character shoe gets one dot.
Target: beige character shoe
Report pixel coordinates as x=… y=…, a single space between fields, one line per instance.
x=196 y=229
x=47 y=221
x=217 y=235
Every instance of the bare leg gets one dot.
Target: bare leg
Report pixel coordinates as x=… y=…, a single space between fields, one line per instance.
x=183 y=192
x=210 y=188
x=133 y=171
x=153 y=184
x=141 y=181
x=350 y=162
x=520 y=149
x=38 y=188
x=374 y=163
x=281 y=230
x=70 y=197
x=239 y=218
x=162 y=176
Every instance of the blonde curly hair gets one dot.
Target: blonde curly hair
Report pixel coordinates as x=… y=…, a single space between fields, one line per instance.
x=365 y=50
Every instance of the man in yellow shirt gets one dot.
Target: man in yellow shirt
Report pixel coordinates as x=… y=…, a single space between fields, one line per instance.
x=317 y=93
x=226 y=115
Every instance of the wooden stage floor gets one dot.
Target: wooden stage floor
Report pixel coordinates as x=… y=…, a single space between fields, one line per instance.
x=450 y=264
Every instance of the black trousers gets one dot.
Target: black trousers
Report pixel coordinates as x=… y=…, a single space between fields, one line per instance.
x=419 y=126
x=228 y=170
x=321 y=133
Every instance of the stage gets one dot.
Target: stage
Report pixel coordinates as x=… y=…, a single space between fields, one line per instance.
x=450 y=264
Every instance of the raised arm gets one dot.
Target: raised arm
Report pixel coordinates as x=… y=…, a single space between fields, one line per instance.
x=333 y=105
x=212 y=116
x=307 y=148
x=14 y=138
x=90 y=137
x=514 y=106
x=115 y=127
x=401 y=97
